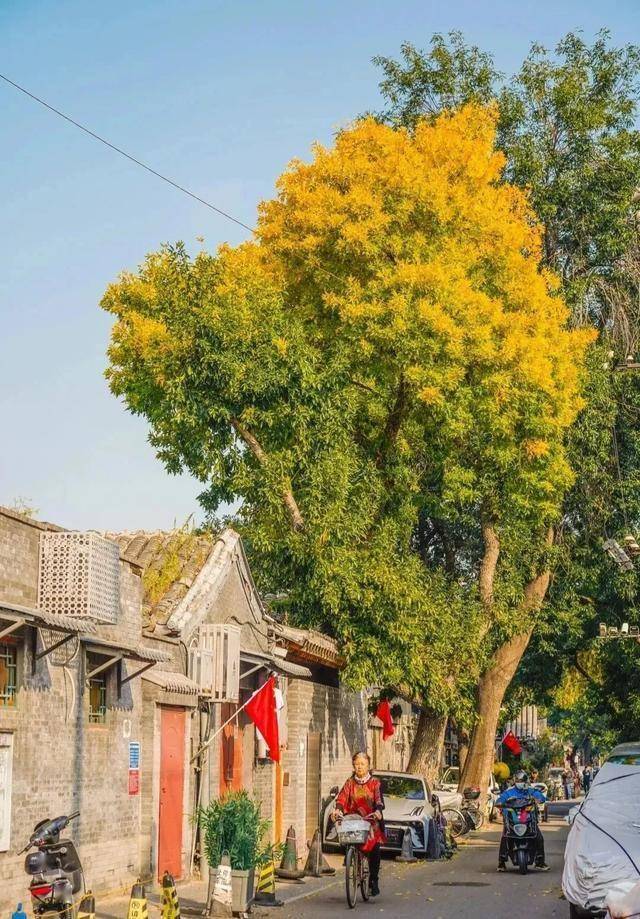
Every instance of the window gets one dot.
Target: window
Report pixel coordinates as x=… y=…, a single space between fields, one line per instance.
x=6 y=764
x=98 y=699
x=8 y=672
x=400 y=786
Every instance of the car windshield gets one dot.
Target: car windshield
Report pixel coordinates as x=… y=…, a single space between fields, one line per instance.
x=622 y=759
x=402 y=786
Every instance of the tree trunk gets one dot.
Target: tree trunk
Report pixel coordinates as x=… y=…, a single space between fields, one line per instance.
x=463 y=747
x=491 y=689
x=426 y=755
x=494 y=682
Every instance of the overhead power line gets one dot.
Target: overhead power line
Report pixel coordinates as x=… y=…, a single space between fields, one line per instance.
x=133 y=159
x=126 y=155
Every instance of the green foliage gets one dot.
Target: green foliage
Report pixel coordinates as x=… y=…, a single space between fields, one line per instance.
x=567 y=127
x=233 y=824
x=546 y=750
x=449 y=75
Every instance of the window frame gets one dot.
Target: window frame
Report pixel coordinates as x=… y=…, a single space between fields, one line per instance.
x=11 y=644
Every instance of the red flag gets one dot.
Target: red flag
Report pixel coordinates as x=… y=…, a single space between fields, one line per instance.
x=512 y=743
x=383 y=712
x=261 y=708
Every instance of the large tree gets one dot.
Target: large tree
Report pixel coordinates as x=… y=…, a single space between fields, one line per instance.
x=567 y=128
x=386 y=361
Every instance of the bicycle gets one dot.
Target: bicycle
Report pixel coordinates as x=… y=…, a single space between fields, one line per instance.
x=456 y=821
x=471 y=808
x=353 y=836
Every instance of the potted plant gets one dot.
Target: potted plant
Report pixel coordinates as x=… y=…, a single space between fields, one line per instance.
x=233 y=824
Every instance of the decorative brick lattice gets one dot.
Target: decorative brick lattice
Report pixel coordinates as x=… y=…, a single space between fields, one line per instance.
x=79 y=576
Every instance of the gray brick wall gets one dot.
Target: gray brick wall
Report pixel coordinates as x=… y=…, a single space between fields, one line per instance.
x=61 y=763
x=340 y=717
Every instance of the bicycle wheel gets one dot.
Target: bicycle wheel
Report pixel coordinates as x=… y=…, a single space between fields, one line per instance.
x=364 y=875
x=351 y=876
x=476 y=817
x=456 y=821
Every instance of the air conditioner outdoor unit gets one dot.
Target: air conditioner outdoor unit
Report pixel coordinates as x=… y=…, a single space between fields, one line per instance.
x=79 y=576
x=214 y=662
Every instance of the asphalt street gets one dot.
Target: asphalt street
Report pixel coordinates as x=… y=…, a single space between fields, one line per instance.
x=466 y=887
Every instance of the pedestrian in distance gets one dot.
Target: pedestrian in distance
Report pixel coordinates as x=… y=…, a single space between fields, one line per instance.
x=586 y=778
x=362 y=794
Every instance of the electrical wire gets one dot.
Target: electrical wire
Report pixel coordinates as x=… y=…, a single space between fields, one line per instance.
x=124 y=153
x=134 y=159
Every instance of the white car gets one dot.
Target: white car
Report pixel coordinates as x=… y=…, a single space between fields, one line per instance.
x=407 y=801
x=603 y=846
x=447 y=788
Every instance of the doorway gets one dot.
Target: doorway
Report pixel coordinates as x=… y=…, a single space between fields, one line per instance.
x=172 y=735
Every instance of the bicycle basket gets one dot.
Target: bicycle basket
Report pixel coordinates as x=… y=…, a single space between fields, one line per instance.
x=471 y=794
x=353 y=832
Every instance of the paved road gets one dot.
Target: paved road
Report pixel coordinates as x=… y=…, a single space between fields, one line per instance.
x=467 y=887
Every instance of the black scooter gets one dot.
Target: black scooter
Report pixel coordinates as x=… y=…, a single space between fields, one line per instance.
x=56 y=871
x=521 y=831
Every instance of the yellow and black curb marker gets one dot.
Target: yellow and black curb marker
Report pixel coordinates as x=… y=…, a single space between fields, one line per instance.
x=138 y=906
x=170 y=902
x=87 y=906
x=266 y=886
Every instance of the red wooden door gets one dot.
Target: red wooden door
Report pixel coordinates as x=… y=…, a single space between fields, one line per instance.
x=171 y=791
x=230 y=753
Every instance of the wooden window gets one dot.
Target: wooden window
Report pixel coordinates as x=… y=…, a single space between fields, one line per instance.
x=98 y=699
x=8 y=672
x=97 y=690
x=6 y=765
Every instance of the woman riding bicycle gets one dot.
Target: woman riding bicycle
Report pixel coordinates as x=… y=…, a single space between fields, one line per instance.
x=361 y=794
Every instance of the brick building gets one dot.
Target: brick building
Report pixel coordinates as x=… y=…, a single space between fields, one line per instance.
x=120 y=655
x=70 y=706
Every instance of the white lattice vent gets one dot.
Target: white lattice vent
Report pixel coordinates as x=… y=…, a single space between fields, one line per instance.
x=214 y=662
x=79 y=575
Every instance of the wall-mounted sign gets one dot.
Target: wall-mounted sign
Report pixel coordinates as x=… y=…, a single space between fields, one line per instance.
x=134 y=781
x=134 y=755
x=134 y=767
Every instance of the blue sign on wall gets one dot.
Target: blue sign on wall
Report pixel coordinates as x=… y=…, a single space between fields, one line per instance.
x=134 y=755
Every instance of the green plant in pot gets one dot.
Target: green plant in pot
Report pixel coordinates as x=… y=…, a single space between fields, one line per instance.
x=233 y=824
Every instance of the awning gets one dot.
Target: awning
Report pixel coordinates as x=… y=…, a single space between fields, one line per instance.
x=39 y=618
x=115 y=652
x=271 y=662
x=123 y=650
x=172 y=682
x=309 y=644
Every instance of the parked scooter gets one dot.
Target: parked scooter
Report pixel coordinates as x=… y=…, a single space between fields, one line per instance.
x=521 y=830
x=55 y=869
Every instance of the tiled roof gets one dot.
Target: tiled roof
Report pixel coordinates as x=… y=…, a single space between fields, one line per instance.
x=170 y=563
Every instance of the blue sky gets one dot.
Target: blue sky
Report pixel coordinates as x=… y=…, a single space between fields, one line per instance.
x=219 y=96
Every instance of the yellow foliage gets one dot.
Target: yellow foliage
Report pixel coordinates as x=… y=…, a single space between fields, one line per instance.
x=414 y=244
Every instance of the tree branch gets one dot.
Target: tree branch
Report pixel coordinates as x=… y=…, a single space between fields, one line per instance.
x=243 y=432
x=394 y=421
